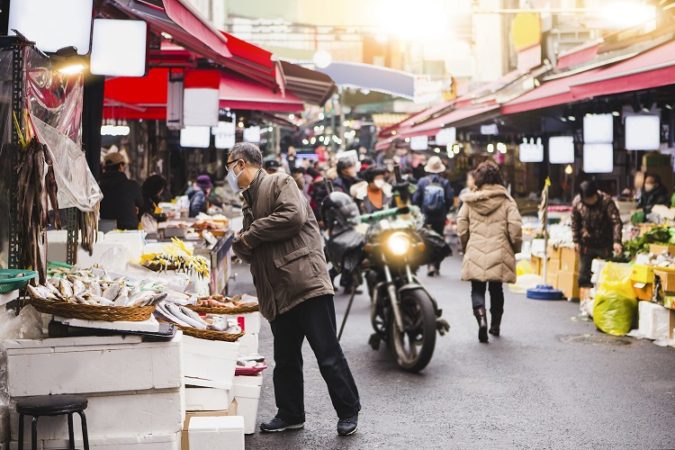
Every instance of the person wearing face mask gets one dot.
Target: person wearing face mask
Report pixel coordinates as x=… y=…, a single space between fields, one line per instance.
x=596 y=228
x=281 y=241
x=347 y=176
x=373 y=194
x=653 y=193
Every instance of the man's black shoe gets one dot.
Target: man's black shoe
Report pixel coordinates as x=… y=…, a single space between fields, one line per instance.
x=277 y=424
x=348 y=426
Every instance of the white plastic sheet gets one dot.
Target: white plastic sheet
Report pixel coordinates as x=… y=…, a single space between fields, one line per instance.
x=77 y=186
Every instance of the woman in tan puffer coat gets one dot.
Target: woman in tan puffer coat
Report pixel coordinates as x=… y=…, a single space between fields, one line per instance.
x=489 y=227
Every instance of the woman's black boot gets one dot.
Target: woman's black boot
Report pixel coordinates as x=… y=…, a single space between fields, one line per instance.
x=495 y=322
x=481 y=318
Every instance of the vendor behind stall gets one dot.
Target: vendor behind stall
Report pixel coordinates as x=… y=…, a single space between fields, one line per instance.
x=122 y=199
x=653 y=193
x=199 y=195
x=596 y=228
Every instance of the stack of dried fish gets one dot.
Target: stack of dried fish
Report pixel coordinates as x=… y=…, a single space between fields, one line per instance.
x=184 y=317
x=88 y=225
x=36 y=189
x=84 y=287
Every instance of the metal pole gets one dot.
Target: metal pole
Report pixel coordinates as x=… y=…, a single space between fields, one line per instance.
x=342 y=119
x=349 y=307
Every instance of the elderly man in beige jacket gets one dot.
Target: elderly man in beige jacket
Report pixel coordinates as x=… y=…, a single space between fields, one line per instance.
x=282 y=242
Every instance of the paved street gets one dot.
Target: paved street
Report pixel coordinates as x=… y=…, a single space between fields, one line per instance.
x=551 y=381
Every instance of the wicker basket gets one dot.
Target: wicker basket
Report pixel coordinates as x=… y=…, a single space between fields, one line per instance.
x=93 y=312
x=211 y=335
x=243 y=309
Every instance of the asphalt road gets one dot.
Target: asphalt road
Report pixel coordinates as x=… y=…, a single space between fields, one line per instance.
x=550 y=381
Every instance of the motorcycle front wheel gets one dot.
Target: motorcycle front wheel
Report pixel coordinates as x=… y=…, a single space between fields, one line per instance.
x=414 y=345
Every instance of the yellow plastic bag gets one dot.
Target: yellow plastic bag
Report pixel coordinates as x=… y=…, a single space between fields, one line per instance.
x=615 y=306
x=615 y=279
x=614 y=314
x=523 y=268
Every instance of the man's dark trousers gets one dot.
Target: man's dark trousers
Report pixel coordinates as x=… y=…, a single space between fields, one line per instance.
x=314 y=319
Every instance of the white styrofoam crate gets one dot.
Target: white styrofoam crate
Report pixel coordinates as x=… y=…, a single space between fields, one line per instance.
x=141 y=442
x=209 y=363
x=653 y=320
x=247 y=394
x=117 y=415
x=216 y=433
x=92 y=364
x=207 y=399
x=249 y=344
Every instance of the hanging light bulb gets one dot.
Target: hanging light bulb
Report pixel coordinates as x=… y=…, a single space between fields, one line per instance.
x=569 y=170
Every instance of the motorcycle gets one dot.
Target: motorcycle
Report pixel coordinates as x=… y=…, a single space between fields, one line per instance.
x=403 y=313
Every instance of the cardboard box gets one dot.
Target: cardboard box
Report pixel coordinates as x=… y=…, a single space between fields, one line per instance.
x=653 y=320
x=92 y=364
x=658 y=249
x=120 y=415
x=552 y=279
x=537 y=265
x=667 y=278
x=209 y=363
x=553 y=259
x=669 y=301
x=568 y=283
x=569 y=260
x=643 y=291
x=642 y=273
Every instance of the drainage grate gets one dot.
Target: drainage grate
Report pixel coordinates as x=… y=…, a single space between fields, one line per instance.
x=594 y=339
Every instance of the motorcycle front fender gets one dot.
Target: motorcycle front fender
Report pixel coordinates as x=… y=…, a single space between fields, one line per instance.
x=422 y=290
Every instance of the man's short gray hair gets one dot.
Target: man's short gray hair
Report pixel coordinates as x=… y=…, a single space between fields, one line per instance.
x=248 y=152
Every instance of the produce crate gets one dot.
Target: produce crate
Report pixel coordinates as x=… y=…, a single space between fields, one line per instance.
x=643 y=291
x=568 y=283
x=658 y=249
x=642 y=273
x=667 y=277
x=569 y=260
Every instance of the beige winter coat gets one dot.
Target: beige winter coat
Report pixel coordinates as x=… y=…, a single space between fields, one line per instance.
x=489 y=227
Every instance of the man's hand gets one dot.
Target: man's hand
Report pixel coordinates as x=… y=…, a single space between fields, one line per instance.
x=577 y=248
x=618 y=248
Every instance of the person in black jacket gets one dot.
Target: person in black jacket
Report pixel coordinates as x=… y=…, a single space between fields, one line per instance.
x=347 y=176
x=153 y=187
x=653 y=193
x=122 y=199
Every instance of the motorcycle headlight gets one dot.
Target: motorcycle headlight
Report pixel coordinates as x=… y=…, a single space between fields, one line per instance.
x=398 y=244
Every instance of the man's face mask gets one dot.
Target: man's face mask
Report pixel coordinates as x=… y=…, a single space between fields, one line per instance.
x=649 y=187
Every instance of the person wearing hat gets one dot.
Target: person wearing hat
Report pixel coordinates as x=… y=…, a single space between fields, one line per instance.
x=199 y=196
x=373 y=194
x=346 y=176
x=122 y=197
x=434 y=196
x=271 y=166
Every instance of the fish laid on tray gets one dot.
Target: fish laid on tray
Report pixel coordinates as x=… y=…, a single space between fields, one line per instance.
x=220 y=301
x=92 y=287
x=180 y=315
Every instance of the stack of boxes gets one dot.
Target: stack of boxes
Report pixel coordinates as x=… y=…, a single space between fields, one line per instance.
x=135 y=389
x=562 y=270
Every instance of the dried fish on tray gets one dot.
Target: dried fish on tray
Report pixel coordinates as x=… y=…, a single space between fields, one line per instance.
x=218 y=304
x=193 y=324
x=176 y=257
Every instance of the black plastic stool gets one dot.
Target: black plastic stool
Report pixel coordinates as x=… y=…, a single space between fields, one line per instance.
x=53 y=405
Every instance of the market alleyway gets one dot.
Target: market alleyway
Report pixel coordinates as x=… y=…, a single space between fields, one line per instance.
x=551 y=381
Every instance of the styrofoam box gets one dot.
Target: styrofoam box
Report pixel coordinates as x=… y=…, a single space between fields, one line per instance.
x=119 y=415
x=653 y=320
x=249 y=344
x=216 y=433
x=247 y=393
x=207 y=399
x=251 y=321
x=79 y=365
x=209 y=363
x=144 y=442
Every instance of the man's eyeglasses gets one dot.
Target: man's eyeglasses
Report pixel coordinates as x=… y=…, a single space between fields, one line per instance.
x=229 y=163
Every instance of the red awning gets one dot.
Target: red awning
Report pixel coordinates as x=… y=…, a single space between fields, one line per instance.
x=239 y=93
x=146 y=97
x=183 y=23
x=650 y=69
x=461 y=116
